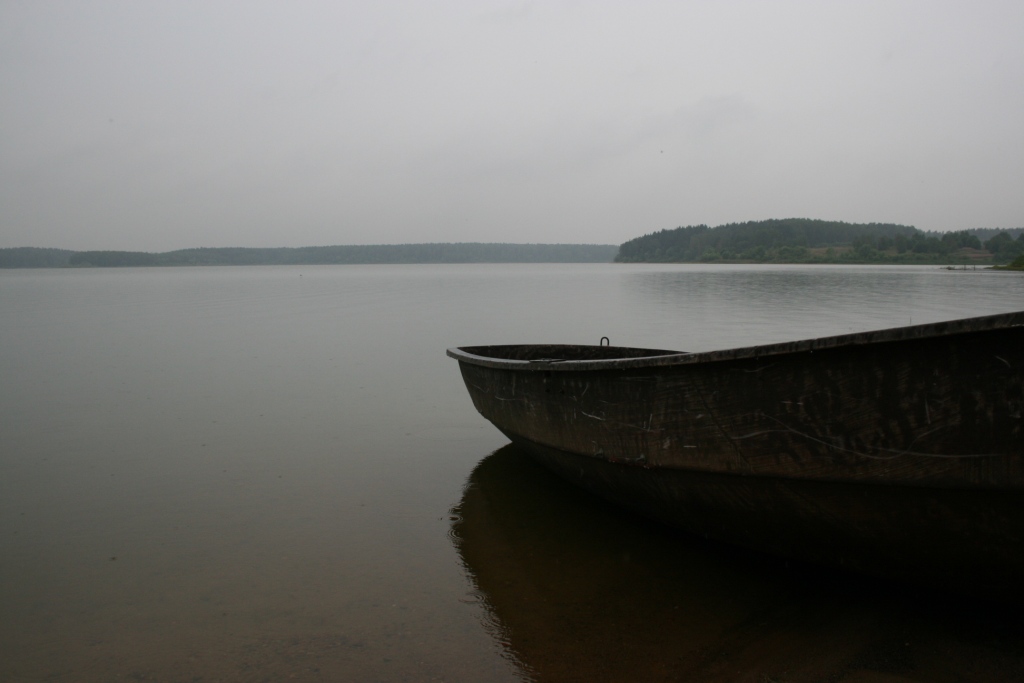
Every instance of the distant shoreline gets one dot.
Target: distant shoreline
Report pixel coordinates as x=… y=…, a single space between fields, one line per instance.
x=789 y=240
x=459 y=252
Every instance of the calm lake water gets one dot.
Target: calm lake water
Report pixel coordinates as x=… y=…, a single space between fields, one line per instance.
x=274 y=473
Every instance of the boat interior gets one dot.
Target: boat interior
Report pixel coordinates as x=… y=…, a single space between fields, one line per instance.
x=562 y=352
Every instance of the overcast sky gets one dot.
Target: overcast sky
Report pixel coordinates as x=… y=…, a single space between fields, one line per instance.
x=161 y=125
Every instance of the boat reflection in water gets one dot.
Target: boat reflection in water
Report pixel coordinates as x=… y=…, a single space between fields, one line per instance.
x=576 y=590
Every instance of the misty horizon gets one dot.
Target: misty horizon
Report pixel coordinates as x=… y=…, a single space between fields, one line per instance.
x=153 y=128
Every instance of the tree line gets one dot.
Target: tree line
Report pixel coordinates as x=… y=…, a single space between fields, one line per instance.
x=34 y=257
x=802 y=240
x=793 y=240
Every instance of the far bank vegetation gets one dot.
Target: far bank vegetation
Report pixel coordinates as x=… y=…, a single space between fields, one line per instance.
x=802 y=240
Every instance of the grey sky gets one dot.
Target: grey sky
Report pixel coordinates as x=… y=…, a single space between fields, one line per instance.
x=161 y=125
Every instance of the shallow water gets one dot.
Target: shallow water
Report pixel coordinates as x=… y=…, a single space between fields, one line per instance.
x=258 y=474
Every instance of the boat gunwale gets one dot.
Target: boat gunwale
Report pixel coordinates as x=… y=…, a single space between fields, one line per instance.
x=949 y=328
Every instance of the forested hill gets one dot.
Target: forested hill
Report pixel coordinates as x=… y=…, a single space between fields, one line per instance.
x=803 y=240
x=34 y=257
x=465 y=252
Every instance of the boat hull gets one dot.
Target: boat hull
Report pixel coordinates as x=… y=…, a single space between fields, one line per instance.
x=928 y=410
x=897 y=453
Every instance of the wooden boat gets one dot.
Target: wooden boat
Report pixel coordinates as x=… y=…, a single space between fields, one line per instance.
x=896 y=452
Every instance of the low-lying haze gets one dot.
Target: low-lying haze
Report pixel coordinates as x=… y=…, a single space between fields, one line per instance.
x=158 y=126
